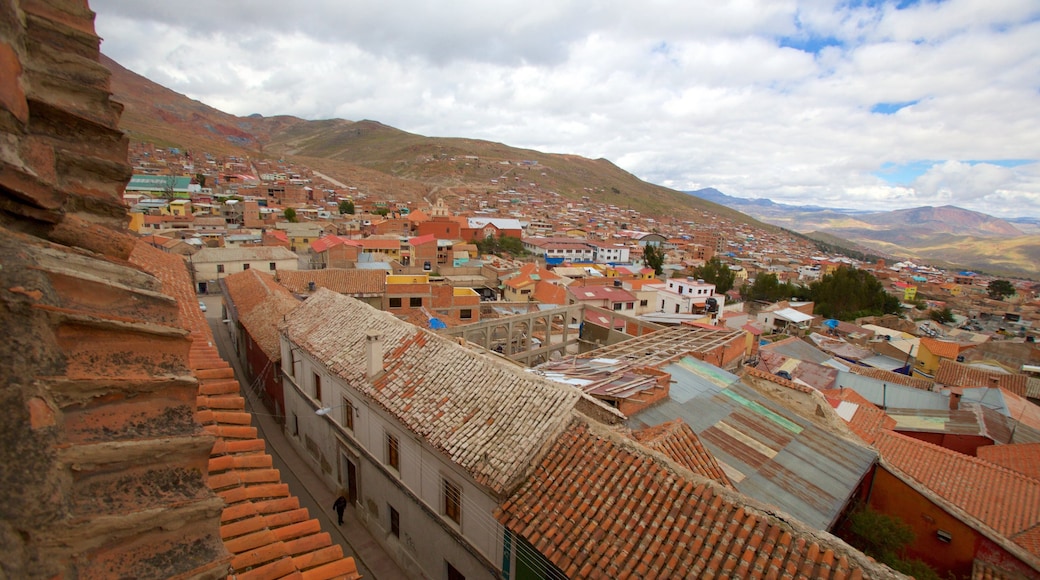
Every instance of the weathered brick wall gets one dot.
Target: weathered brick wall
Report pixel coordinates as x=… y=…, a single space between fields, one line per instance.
x=104 y=466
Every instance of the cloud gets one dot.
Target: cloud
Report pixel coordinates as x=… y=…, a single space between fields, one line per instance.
x=807 y=102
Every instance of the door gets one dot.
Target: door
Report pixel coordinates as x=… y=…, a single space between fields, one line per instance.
x=352 y=482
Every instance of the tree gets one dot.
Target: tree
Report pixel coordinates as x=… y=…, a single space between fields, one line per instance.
x=653 y=257
x=944 y=316
x=717 y=273
x=346 y=207
x=290 y=215
x=768 y=287
x=884 y=537
x=850 y=293
x=381 y=211
x=500 y=245
x=1000 y=289
x=201 y=179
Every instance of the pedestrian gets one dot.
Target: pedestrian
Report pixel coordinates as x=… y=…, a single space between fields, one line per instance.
x=339 y=505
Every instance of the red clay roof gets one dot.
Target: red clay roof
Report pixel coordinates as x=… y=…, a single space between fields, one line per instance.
x=944 y=348
x=955 y=374
x=863 y=418
x=349 y=281
x=678 y=441
x=597 y=506
x=261 y=303
x=1021 y=457
x=262 y=525
x=322 y=244
x=1004 y=500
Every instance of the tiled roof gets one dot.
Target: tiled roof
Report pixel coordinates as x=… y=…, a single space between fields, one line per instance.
x=251 y=253
x=322 y=244
x=1004 y=500
x=261 y=304
x=1021 y=457
x=262 y=524
x=944 y=348
x=891 y=377
x=955 y=374
x=610 y=293
x=352 y=282
x=863 y=418
x=528 y=274
x=489 y=418
x=597 y=506
x=676 y=440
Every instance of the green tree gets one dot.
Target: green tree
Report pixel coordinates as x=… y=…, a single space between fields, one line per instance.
x=346 y=207
x=500 y=245
x=201 y=179
x=944 y=316
x=717 y=273
x=290 y=215
x=653 y=257
x=381 y=211
x=850 y=293
x=1000 y=289
x=768 y=287
x=884 y=538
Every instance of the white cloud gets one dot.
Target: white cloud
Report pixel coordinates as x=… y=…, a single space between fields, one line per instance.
x=686 y=94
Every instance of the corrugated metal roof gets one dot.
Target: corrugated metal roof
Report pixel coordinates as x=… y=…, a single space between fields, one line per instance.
x=797 y=348
x=894 y=395
x=768 y=452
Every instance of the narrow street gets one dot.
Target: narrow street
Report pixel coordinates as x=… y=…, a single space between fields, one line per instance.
x=372 y=561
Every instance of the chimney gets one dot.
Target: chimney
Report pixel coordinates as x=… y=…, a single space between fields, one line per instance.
x=955 y=399
x=374 y=353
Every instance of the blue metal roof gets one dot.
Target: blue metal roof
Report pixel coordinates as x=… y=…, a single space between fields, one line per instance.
x=769 y=452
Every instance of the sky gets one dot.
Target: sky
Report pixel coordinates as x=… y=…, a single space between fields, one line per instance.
x=855 y=104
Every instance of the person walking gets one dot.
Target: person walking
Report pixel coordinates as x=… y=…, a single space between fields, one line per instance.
x=339 y=505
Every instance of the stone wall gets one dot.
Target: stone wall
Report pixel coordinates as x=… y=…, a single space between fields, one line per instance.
x=104 y=464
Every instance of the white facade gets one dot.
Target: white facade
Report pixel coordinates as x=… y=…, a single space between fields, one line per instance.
x=358 y=458
x=687 y=296
x=611 y=254
x=211 y=264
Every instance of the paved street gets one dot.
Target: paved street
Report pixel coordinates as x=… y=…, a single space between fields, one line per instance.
x=373 y=562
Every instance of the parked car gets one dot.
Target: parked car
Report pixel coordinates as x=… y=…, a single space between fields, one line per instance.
x=202 y=306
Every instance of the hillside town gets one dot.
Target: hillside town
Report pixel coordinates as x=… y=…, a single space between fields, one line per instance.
x=228 y=367
x=432 y=323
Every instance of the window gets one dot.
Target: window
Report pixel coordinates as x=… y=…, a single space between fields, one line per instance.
x=415 y=302
x=393 y=452
x=348 y=414
x=317 y=387
x=617 y=306
x=272 y=266
x=395 y=303
x=452 y=501
x=453 y=574
x=220 y=268
x=395 y=521
x=245 y=267
x=630 y=305
x=644 y=302
x=292 y=362
x=465 y=314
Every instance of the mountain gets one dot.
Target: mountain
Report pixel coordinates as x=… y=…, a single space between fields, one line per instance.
x=946 y=236
x=389 y=162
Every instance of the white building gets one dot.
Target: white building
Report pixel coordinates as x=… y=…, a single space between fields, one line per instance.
x=605 y=253
x=212 y=264
x=424 y=437
x=689 y=296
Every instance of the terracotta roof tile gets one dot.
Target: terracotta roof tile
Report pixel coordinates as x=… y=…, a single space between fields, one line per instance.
x=1021 y=457
x=344 y=281
x=955 y=374
x=944 y=348
x=461 y=402
x=260 y=518
x=1002 y=499
x=678 y=441
x=863 y=418
x=597 y=506
x=261 y=303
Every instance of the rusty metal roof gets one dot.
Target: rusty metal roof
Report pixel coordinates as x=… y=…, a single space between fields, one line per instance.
x=769 y=452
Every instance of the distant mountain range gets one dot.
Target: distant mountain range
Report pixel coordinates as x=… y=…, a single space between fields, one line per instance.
x=394 y=164
x=944 y=236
